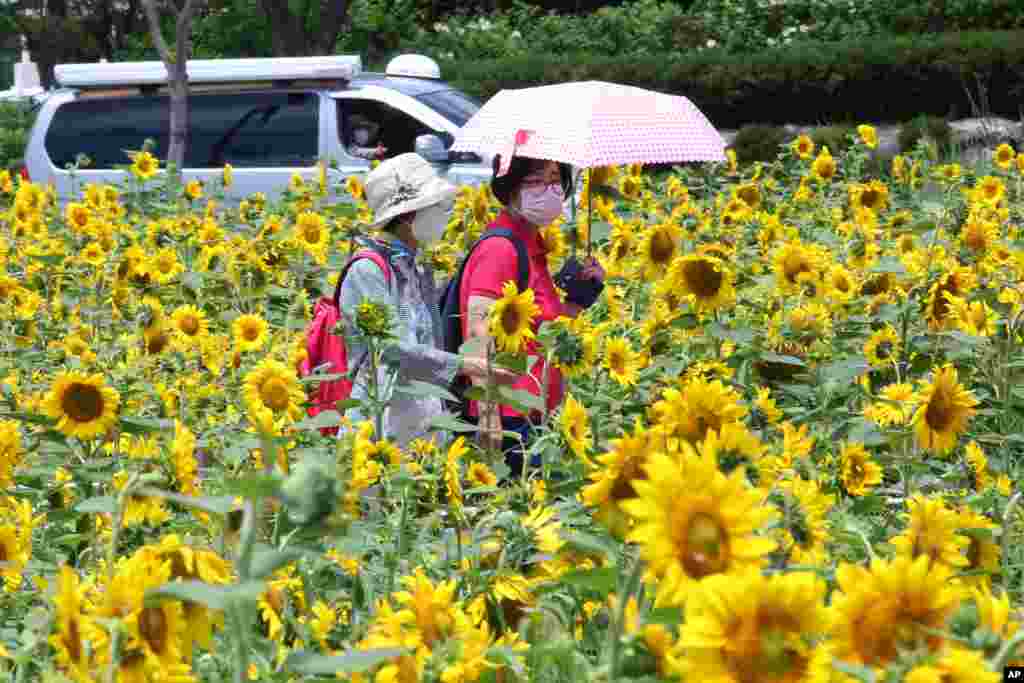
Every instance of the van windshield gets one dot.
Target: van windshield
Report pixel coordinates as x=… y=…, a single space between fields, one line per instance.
x=455 y=106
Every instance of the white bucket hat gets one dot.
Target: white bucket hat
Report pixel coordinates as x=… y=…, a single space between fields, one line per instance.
x=403 y=184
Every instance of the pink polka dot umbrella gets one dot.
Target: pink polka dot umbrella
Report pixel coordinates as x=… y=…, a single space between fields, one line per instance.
x=590 y=124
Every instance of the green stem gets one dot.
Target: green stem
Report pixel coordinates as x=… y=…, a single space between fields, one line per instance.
x=243 y=564
x=1011 y=507
x=1008 y=650
x=618 y=626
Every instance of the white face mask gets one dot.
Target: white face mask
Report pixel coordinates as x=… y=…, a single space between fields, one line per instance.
x=429 y=224
x=361 y=136
x=542 y=204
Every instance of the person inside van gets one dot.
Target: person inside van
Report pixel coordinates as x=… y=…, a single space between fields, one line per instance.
x=411 y=206
x=533 y=192
x=365 y=139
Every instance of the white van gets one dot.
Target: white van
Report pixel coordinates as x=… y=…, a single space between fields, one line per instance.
x=268 y=118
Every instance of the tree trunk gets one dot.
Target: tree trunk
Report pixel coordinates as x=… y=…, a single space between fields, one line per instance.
x=176 y=64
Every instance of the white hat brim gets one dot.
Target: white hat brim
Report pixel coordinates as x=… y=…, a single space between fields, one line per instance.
x=436 y=191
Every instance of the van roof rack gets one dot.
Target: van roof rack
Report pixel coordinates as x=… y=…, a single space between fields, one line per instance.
x=151 y=75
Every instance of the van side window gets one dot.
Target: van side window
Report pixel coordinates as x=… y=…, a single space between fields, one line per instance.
x=264 y=130
x=397 y=132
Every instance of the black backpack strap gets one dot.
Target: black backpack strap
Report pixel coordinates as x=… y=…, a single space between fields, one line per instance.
x=450 y=313
x=522 y=257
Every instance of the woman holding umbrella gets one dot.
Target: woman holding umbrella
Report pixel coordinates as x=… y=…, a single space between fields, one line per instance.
x=533 y=193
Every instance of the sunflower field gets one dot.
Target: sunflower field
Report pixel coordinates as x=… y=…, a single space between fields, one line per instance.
x=790 y=450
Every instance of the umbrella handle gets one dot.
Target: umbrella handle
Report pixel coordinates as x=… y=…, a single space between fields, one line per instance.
x=590 y=212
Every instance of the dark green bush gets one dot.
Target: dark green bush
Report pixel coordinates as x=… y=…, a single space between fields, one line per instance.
x=759 y=142
x=15 y=121
x=881 y=80
x=835 y=137
x=933 y=128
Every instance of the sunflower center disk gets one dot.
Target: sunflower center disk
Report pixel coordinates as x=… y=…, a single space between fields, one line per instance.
x=189 y=325
x=703 y=278
x=153 y=628
x=706 y=551
x=511 y=320
x=82 y=402
x=938 y=415
x=274 y=393
x=662 y=248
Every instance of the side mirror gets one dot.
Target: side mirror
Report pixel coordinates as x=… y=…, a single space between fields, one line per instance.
x=431 y=148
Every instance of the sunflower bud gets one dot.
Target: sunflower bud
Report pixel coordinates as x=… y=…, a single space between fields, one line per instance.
x=309 y=492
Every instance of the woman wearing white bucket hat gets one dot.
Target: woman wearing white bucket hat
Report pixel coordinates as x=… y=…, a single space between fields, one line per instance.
x=411 y=204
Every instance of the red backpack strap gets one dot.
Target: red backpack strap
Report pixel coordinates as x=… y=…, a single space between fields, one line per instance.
x=371 y=254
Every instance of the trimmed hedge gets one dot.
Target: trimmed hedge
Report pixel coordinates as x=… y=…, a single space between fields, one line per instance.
x=884 y=80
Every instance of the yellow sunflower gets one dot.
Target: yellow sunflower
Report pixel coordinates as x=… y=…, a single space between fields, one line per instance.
x=692 y=522
x=659 y=245
x=983 y=550
x=704 y=280
x=989 y=190
x=840 y=284
x=73 y=628
x=511 y=318
x=804 y=508
x=803 y=146
x=956 y=665
x=944 y=408
x=858 y=472
x=621 y=361
x=144 y=165
x=701 y=405
x=750 y=627
x=893 y=605
x=883 y=347
x=575 y=426
x=190 y=325
x=932 y=533
x=1004 y=156
x=311 y=232
x=791 y=260
x=614 y=474
x=83 y=405
x=479 y=474
x=193 y=190
x=824 y=166
x=868 y=135
x=251 y=332
x=273 y=386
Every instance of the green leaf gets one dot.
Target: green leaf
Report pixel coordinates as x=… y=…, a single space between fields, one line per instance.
x=208 y=594
x=30 y=417
x=888 y=264
x=601 y=580
x=742 y=335
x=514 y=362
x=353 y=661
x=97 y=505
x=266 y=561
x=327 y=418
x=218 y=505
x=424 y=390
x=450 y=422
x=844 y=371
x=315 y=379
x=192 y=280
x=519 y=399
x=508 y=657
x=142 y=425
x=770 y=357
x=254 y=486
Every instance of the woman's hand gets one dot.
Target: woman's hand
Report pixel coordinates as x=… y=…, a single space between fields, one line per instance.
x=593 y=270
x=476 y=369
